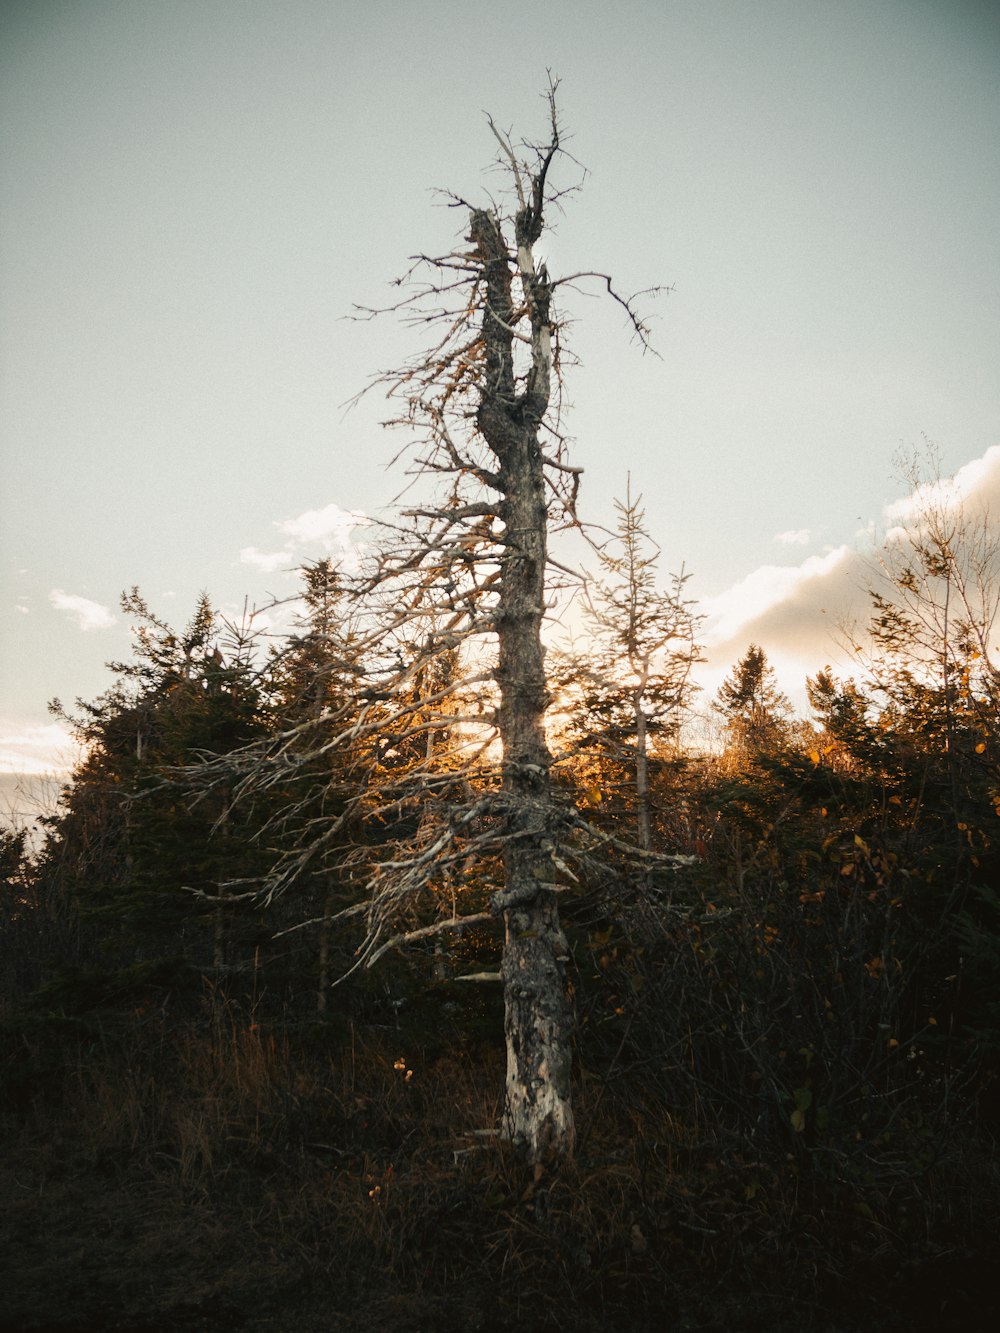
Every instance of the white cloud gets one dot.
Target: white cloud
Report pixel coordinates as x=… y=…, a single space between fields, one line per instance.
x=332 y=526
x=266 y=560
x=794 y=537
x=974 y=487
x=317 y=532
x=797 y=612
x=776 y=590
x=89 y=615
x=35 y=748
x=23 y=609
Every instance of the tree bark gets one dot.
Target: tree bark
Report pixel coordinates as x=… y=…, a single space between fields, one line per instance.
x=538 y=1019
x=643 y=817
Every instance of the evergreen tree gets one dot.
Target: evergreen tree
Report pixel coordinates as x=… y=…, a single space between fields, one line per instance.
x=630 y=686
x=126 y=849
x=757 y=714
x=314 y=683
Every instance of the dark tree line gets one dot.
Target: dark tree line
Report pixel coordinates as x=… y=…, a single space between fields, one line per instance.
x=806 y=920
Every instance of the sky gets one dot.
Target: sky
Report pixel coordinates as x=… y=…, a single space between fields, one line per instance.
x=196 y=194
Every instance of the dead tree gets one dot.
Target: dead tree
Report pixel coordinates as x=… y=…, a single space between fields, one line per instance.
x=493 y=380
x=455 y=659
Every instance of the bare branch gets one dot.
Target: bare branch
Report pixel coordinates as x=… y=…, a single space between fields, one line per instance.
x=426 y=932
x=640 y=326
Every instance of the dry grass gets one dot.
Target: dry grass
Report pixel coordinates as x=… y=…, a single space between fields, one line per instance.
x=230 y=1176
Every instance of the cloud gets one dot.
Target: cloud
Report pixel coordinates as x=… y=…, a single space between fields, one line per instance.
x=266 y=560
x=975 y=488
x=819 y=585
x=798 y=613
x=331 y=525
x=795 y=612
x=794 y=537
x=35 y=748
x=315 y=533
x=89 y=615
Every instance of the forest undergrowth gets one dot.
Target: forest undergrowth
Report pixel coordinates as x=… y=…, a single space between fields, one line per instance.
x=213 y=1172
x=776 y=965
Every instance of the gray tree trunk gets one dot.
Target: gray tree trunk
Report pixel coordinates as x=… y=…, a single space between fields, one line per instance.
x=538 y=1021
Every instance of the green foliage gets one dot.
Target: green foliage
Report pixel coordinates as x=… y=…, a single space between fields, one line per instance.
x=756 y=713
x=978 y=936
x=142 y=867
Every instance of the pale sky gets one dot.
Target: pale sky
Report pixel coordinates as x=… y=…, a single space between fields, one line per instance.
x=194 y=193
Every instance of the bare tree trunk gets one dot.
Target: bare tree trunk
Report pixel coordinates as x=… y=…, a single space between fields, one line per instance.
x=537 y=1015
x=643 y=818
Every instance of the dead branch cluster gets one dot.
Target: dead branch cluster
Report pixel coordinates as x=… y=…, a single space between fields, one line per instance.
x=396 y=789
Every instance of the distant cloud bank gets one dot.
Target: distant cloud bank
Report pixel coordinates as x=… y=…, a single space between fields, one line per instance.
x=795 y=611
x=38 y=749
